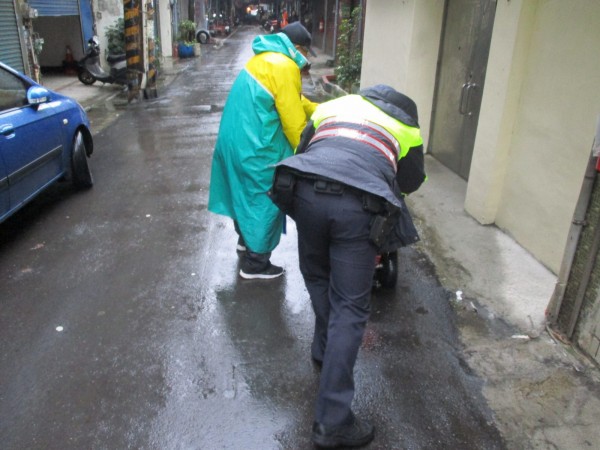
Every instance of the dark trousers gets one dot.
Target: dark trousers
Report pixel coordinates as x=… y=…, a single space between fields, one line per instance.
x=251 y=262
x=337 y=261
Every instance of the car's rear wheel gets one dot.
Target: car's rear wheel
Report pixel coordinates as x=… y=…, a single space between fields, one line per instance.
x=86 y=77
x=80 y=170
x=202 y=37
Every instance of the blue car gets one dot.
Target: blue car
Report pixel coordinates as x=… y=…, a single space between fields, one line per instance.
x=44 y=137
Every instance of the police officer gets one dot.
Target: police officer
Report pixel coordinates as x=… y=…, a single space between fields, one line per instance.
x=358 y=156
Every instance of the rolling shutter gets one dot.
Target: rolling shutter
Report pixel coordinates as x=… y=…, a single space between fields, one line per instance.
x=10 y=43
x=55 y=7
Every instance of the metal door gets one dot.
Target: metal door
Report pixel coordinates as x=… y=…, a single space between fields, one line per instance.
x=460 y=79
x=87 y=21
x=10 y=41
x=55 y=7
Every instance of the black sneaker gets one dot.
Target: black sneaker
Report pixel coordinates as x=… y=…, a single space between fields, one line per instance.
x=272 y=271
x=356 y=434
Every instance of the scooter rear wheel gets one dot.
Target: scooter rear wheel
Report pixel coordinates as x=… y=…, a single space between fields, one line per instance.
x=387 y=274
x=203 y=37
x=86 y=77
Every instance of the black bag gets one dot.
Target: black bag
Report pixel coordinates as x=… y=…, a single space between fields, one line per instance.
x=381 y=228
x=392 y=227
x=282 y=191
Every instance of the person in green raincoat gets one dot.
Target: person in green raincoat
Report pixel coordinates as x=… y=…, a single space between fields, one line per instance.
x=261 y=124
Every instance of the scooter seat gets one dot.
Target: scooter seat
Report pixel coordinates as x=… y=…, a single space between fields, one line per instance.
x=116 y=58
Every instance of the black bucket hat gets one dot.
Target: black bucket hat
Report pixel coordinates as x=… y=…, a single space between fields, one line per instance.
x=393 y=103
x=299 y=35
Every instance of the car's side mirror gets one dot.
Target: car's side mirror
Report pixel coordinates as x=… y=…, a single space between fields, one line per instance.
x=37 y=95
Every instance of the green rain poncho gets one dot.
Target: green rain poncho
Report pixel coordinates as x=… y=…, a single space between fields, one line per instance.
x=263 y=118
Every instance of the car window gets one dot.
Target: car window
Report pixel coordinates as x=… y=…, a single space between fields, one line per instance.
x=13 y=91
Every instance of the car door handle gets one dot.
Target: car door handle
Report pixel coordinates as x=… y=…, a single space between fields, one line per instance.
x=7 y=130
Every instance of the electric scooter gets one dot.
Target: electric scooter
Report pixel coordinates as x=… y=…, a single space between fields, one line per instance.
x=90 y=70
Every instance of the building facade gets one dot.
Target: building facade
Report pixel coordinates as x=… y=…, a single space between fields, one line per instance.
x=41 y=35
x=508 y=100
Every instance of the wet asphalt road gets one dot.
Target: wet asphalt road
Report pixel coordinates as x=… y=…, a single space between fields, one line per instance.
x=163 y=346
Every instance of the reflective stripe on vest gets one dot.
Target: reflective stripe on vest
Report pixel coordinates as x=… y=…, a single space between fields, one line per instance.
x=364 y=131
x=354 y=107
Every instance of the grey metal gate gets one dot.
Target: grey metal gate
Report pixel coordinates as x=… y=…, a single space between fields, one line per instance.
x=10 y=41
x=464 y=53
x=55 y=7
x=574 y=309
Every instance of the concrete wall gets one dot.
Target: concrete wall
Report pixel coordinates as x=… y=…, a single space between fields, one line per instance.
x=166 y=29
x=539 y=109
x=108 y=11
x=508 y=62
x=539 y=112
x=400 y=48
x=106 y=14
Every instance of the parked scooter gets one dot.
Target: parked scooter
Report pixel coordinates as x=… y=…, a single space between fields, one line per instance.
x=90 y=70
x=272 y=25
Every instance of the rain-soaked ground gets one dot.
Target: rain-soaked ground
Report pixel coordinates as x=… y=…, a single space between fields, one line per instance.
x=124 y=324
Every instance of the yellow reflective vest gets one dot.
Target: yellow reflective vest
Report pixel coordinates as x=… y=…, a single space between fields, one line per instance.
x=354 y=107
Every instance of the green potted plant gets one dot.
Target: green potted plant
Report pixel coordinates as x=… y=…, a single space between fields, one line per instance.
x=115 y=35
x=186 y=38
x=349 y=54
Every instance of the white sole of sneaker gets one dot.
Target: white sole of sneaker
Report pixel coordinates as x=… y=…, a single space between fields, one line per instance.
x=258 y=276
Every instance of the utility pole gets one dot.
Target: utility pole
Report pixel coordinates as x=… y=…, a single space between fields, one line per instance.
x=150 y=85
x=139 y=48
x=200 y=14
x=133 y=46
